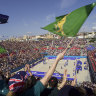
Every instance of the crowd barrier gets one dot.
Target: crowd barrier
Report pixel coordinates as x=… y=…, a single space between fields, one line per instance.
x=57 y=75
x=67 y=57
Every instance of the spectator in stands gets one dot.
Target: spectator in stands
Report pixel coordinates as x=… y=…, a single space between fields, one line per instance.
x=52 y=90
x=53 y=86
x=31 y=81
x=69 y=90
x=21 y=53
x=72 y=90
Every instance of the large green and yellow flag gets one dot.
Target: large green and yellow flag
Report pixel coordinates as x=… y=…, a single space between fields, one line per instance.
x=69 y=24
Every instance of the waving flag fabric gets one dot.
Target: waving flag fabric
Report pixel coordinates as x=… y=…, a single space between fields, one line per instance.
x=3 y=18
x=69 y=24
x=16 y=82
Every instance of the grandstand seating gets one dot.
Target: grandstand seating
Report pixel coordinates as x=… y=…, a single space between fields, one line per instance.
x=92 y=65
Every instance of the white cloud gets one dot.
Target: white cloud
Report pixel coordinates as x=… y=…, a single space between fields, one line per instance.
x=67 y=3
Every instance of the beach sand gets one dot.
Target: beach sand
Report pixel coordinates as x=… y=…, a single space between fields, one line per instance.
x=81 y=76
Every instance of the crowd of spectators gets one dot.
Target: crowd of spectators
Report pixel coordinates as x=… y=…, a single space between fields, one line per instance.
x=20 y=53
x=77 y=48
x=88 y=85
x=20 y=84
x=91 y=57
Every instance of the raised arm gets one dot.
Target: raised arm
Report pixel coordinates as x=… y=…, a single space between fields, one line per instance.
x=74 y=81
x=52 y=69
x=27 y=68
x=64 y=79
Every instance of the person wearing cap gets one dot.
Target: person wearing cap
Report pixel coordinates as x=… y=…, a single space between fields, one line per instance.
x=52 y=90
x=53 y=86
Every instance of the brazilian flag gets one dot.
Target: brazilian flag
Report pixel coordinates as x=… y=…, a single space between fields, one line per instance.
x=69 y=24
x=2 y=50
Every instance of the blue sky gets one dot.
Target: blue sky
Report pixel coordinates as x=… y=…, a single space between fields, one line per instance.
x=27 y=16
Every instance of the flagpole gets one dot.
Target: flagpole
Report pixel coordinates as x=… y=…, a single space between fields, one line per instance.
x=64 y=53
x=68 y=46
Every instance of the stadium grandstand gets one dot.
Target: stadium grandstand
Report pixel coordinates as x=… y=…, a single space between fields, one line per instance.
x=79 y=59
